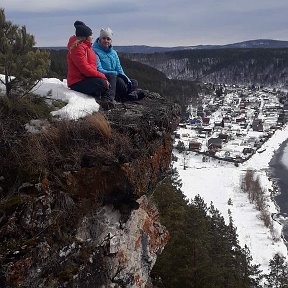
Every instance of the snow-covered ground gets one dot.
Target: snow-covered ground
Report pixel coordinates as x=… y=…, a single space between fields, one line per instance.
x=218 y=181
x=78 y=104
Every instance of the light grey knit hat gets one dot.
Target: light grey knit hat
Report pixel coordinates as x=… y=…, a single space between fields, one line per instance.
x=107 y=32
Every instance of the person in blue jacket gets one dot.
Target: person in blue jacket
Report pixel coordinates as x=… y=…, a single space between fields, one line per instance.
x=108 y=62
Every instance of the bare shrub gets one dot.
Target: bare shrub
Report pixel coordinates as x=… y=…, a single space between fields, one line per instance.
x=31 y=155
x=180 y=147
x=247 y=181
x=185 y=160
x=251 y=185
x=62 y=146
x=260 y=200
x=265 y=217
x=90 y=129
x=273 y=232
x=256 y=195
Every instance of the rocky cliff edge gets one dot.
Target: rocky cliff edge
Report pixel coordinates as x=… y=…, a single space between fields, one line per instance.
x=92 y=224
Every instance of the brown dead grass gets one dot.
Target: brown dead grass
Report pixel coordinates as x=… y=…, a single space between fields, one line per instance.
x=63 y=144
x=99 y=122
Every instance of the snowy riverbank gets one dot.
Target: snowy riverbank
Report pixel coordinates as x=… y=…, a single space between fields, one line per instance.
x=218 y=181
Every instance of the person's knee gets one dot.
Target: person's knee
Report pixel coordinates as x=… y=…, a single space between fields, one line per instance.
x=134 y=84
x=111 y=76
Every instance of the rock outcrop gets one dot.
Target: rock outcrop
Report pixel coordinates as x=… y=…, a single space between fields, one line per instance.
x=94 y=226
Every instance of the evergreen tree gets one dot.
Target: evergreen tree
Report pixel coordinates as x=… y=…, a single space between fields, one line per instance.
x=22 y=65
x=203 y=251
x=278 y=276
x=251 y=274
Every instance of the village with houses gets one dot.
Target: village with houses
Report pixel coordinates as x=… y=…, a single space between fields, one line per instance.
x=233 y=122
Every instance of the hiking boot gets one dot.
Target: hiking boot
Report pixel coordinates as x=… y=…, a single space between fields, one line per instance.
x=134 y=95
x=107 y=104
x=140 y=95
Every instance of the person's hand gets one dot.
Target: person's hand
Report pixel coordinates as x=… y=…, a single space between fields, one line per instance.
x=107 y=84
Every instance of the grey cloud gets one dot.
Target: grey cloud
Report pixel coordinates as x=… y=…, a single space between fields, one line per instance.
x=161 y=23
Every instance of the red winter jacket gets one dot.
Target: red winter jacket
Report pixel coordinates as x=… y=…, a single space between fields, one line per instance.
x=81 y=61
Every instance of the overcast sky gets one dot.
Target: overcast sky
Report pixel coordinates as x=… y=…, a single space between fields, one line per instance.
x=165 y=23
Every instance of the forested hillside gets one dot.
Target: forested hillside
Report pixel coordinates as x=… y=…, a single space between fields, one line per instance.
x=268 y=67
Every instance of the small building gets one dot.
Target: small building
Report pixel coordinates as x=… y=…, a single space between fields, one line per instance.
x=240 y=119
x=200 y=111
x=195 y=121
x=248 y=150
x=177 y=135
x=224 y=137
x=257 y=125
x=208 y=130
x=243 y=104
x=214 y=143
x=219 y=123
x=202 y=134
x=243 y=125
x=185 y=135
x=206 y=120
x=194 y=145
x=226 y=119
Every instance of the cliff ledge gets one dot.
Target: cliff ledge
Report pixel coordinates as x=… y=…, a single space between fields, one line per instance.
x=90 y=222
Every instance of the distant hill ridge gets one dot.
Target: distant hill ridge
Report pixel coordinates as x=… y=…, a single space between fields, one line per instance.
x=259 y=43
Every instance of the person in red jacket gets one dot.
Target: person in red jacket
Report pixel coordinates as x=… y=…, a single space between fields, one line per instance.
x=83 y=75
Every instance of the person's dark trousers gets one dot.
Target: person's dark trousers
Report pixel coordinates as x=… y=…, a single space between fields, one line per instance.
x=112 y=78
x=133 y=86
x=121 y=90
x=92 y=86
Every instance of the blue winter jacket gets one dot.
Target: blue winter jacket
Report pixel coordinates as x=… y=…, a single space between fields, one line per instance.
x=108 y=60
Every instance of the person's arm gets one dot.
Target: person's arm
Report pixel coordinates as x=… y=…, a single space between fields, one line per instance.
x=119 y=68
x=100 y=67
x=79 y=57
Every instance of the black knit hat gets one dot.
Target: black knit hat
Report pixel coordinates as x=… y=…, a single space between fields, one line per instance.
x=82 y=30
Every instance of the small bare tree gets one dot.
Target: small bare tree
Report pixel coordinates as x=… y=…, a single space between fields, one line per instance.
x=256 y=195
x=185 y=160
x=247 y=181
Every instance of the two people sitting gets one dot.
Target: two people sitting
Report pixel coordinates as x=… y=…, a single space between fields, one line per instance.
x=98 y=73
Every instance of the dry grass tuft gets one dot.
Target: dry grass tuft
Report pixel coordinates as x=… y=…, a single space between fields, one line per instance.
x=63 y=145
x=53 y=133
x=99 y=122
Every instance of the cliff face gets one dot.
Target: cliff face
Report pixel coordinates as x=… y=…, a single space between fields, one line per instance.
x=93 y=226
